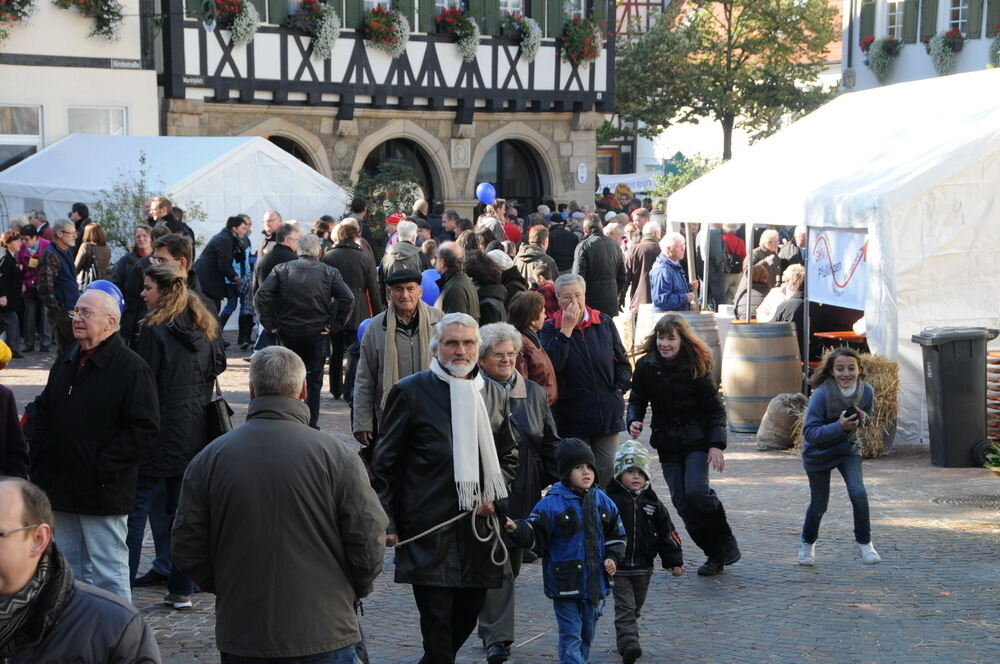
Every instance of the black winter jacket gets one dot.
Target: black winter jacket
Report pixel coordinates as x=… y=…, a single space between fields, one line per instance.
x=562 y=247
x=358 y=270
x=599 y=260
x=185 y=364
x=11 y=279
x=537 y=438
x=491 y=304
x=688 y=415
x=648 y=528
x=302 y=298
x=72 y=621
x=92 y=426
x=414 y=476
x=128 y=276
x=277 y=255
x=457 y=294
x=215 y=264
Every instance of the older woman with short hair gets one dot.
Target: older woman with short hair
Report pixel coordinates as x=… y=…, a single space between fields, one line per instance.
x=527 y=314
x=536 y=436
x=592 y=371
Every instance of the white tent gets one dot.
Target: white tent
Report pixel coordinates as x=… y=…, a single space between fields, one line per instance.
x=917 y=165
x=224 y=175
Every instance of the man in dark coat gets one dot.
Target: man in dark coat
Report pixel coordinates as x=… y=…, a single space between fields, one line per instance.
x=794 y=252
x=57 y=286
x=97 y=416
x=48 y=615
x=161 y=211
x=431 y=465
x=457 y=294
x=281 y=523
x=302 y=303
x=79 y=214
x=215 y=264
x=283 y=249
x=532 y=253
x=638 y=262
x=598 y=259
x=357 y=268
x=562 y=244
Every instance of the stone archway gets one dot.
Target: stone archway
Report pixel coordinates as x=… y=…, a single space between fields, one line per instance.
x=411 y=131
x=545 y=152
x=309 y=143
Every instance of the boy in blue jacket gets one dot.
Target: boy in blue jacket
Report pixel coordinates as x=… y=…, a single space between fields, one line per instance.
x=576 y=528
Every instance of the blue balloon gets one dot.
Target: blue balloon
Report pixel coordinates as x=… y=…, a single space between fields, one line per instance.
x=429 y=284
x=362 y=327
x=486 y=193
x=106 y=286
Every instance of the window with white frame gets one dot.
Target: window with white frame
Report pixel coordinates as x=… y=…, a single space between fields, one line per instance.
x=511 y=7
x=110 y=121
x=894 y=19
x=958 y=15
x=372 y=4
x=574 y=8
x=20 y=133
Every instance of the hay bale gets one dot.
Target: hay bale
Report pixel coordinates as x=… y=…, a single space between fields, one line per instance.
x=883 y=375
x=775 y=432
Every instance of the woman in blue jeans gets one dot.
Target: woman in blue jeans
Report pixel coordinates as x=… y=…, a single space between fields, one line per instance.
x=839 y=405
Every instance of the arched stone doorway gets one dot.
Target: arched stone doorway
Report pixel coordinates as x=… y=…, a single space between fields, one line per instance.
x=415 y=157
x=515 y=169
x=294 y=149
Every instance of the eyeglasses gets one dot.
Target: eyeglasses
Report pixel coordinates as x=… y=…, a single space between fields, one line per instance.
x=85 y=313
x=4 y=533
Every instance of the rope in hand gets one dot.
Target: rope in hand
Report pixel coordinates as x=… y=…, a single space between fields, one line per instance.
x=493 y=533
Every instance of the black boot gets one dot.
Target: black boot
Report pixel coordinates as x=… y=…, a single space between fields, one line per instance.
x=246 y=327
x=223 y=319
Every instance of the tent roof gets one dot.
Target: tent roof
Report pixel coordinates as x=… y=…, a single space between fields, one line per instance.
x=856 y=157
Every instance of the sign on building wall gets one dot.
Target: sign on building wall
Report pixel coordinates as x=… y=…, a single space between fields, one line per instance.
x=837 y=269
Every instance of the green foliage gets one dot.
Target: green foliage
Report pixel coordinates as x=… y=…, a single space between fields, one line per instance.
x=993 y=456
x=688 y=170
x=391 y=188
x=745 y=61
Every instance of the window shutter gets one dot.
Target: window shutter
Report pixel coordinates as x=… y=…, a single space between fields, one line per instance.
x=867 y=20
x=490 y=22
x=975 y=25
x=554 y=19
x=427 y=12
x=277 y=11
x=992 y=16
x=910 y=10
x=354 y=14
x=405 y=7
x=601 y=13
x=928 y=18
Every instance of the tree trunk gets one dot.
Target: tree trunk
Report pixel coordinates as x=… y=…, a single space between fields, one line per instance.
x=728 y=121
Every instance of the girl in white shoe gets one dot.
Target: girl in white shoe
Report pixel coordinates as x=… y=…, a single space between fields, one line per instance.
x=840 y=403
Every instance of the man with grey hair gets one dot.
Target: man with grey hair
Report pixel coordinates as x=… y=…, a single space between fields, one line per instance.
x=766 y=254
x=598 y=259
x=40 y=221
x=57 y=285
x=668 y=285
x=288 y=579
x=449 y=222
x=795 y=252
x=456 y=292
x=303 y=302
x=404 y=254
x=639 y=261
x=446 y=449
x=96 y=418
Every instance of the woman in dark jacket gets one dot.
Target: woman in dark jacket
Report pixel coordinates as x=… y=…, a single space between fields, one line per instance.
x=485 y=274
x=180 y=342
x=536 y=436
x=689 y=431
x=754 y=296
x=11 y=300
x=527 y=314
x=124 y=276
x=592 y=370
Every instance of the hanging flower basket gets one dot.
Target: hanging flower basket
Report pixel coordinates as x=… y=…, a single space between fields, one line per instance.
x=581 y=41
x=880 y=56
x=107 y=14
x=518 y=28
x=13 y=12
x=944 y=48
x=449 y=18
x=386 y=30
x=240 y=17
x=320 y=21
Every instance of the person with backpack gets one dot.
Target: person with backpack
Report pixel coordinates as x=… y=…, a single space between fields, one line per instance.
x=736 y=252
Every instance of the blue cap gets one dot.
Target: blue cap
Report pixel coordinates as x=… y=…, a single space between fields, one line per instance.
x=106 y=286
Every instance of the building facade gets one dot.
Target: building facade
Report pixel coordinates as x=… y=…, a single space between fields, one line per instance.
x=529 y=128
x=913 y=22
x=56 y=79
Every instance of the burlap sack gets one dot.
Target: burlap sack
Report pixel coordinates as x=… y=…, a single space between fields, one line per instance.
x=775 y=432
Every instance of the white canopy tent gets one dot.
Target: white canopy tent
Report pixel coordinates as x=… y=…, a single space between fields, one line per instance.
x=916 y=165
x=224 y=175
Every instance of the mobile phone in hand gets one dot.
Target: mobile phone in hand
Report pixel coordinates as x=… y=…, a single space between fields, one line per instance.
x=851 y=411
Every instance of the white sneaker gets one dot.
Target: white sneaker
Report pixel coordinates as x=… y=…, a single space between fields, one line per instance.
x=807 y=554
x=869 y=556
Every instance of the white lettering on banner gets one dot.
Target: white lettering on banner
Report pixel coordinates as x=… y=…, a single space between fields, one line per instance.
x=838 y=268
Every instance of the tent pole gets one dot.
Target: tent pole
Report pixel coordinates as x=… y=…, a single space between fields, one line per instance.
x=705 y=249
x=748 y=242
x=805 y=319
x=692 y=272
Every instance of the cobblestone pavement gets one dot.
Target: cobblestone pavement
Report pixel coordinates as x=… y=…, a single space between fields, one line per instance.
x=934 y=598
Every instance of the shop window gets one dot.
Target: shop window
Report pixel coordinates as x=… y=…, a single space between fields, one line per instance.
x=97 y=120
x=20 y=133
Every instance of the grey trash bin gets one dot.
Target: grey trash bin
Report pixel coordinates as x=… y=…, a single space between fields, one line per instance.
x=955 y=381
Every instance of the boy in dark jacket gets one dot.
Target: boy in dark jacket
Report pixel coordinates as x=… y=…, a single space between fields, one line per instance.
x=577 y=529
x=649 y=532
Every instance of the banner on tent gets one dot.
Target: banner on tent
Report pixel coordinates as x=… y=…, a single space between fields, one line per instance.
x=838 y=267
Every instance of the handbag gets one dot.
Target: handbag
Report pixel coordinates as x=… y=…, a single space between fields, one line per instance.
x=220 y=415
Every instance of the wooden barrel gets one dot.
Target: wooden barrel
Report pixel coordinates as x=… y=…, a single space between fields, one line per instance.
x=704 y=326
x=760 y=361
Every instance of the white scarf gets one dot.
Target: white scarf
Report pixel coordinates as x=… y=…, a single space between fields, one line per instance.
x=471 y=441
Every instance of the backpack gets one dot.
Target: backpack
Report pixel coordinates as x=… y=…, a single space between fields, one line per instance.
x=733 y=263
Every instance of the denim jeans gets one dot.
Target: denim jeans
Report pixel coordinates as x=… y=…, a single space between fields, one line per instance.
x=346 y=655
x=697 y=504
x=145 y=492
x=577 y=620
x=94 y=547
x=10 y=328
x=819 y=490
x=35 y=323
x=159 y=525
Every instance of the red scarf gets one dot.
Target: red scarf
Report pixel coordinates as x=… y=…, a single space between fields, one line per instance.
x=594 y=319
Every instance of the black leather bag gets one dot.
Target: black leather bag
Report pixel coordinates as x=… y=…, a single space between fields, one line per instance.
x=220 y=415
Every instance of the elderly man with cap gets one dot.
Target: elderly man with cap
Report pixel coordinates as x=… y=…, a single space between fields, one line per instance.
x=97 y=416
x=394 y=346
x=48 y=616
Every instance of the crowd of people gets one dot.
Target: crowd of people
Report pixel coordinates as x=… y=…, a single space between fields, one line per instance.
x=496 y=406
